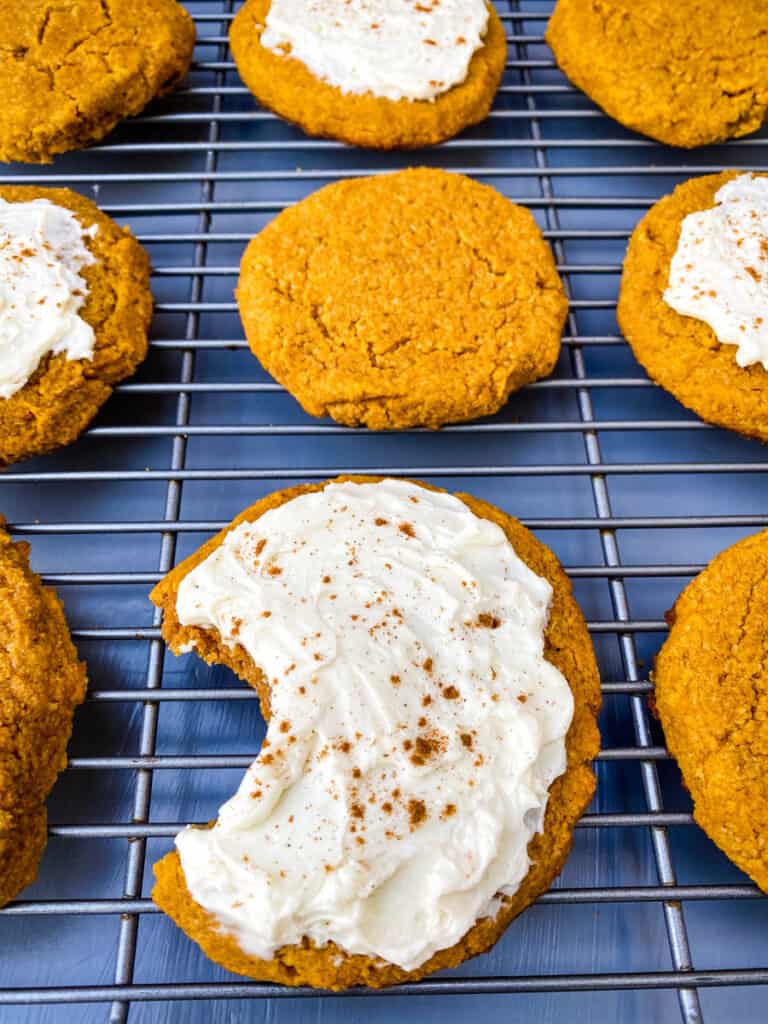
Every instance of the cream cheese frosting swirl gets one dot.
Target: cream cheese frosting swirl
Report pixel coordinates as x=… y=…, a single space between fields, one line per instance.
x=719 y=272
x=394 y=49
x=42 y=251
x=415 y=727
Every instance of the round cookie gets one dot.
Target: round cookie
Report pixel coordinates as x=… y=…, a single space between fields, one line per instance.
x=409 y=299
x=70 y=71
x=63 y=395
x=686 y=73
x=42 y=683
x=288 y=87
x=567 y=646
x=681 y=353
x=712 y=698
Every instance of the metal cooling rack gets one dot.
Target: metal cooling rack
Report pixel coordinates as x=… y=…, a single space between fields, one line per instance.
x=649 y=920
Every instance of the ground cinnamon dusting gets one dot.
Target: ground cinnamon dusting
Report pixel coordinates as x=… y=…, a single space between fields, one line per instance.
x=417 y=813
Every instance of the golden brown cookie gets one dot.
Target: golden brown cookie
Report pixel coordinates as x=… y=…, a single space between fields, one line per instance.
x=408 y=299
x=712 y=698
x=680 y=353
x=41 y=683
x=69 y=71
x=62 y=396
x=686 y=73
x=288 y=87
x=568 y=646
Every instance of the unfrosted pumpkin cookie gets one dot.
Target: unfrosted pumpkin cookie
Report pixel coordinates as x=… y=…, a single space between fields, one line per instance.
x=408 y=299
x=382 y=74
x=75 y=307
x=41 y=683
x=694 y=298
x=712 y=698
x=70 y=70
x=686 y=73
x=431 y=693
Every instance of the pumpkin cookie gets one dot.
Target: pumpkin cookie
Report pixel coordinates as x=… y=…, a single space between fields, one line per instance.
x=41 y=684
x=368 y=75
x=712 y=698
x=70 y=71
x=666 y=263
x=686 y=73
x=408 y=299
x=74 y=315
x=404 y=806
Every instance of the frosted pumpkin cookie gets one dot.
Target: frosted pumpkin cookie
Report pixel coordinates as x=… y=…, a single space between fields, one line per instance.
x=75 y=308
x=383 y=74
x=712 y=698
x=70 y=71
x=431 y=693
x=694 y=298
x=686 y=73
x=41 y=683
x=408 y=299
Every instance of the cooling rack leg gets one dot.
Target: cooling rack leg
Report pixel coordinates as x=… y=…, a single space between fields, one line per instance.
x=129 y=926
x=690 y=1006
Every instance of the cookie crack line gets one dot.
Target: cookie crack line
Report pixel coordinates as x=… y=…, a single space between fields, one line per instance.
x=730 y=733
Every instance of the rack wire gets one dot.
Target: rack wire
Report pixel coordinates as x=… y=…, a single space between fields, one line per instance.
x=635 y=495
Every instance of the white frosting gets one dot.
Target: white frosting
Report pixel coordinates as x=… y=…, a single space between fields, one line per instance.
x=415 y=724
x=719 y=273
x=42 y=251
x=396 y=49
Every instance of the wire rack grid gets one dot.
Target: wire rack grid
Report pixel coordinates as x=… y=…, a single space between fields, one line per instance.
x=649 y=920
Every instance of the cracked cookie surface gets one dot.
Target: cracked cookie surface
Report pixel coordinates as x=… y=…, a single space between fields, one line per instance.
x=288 y=87
x=567 y=646
x=63 y=395
x=69 y=71
x=686 y=73
x=680 y=353
x=41 y=683
x=409 y=299
x=712 y=697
